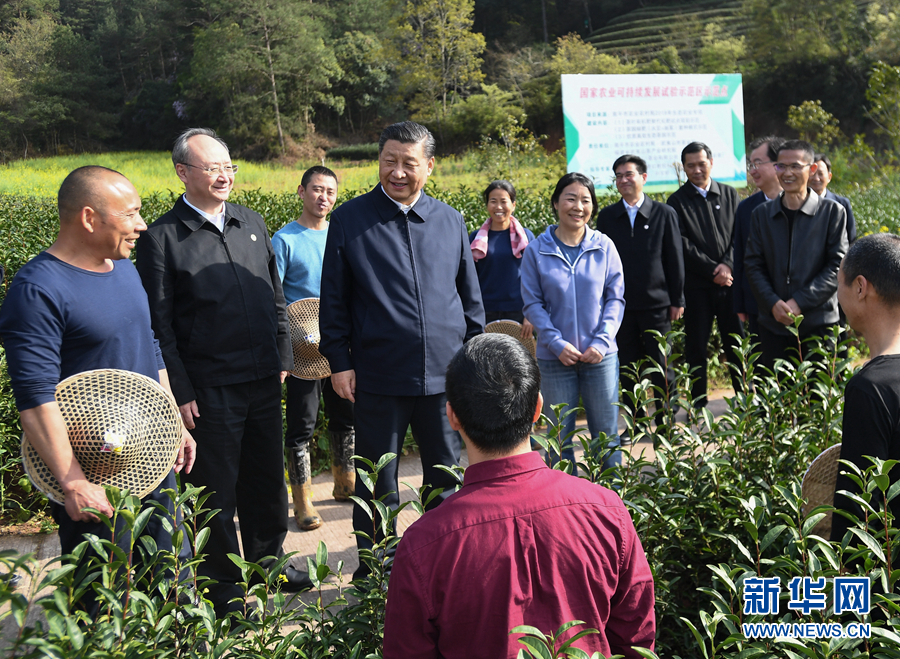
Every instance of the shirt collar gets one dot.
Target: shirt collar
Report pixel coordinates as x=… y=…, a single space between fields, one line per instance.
x=216 y=218
x=402 y=207
x=703 y=191
x=504 y=467
x=640 y=202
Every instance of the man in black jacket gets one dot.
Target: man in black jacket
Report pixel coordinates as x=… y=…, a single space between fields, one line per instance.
x=706 y=211
x=793 y=254
x=218 y=311
x=647 y=238
x=399 y=297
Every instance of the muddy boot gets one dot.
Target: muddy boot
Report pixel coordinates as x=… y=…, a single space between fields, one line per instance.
x=301 y=489
x=343 y=445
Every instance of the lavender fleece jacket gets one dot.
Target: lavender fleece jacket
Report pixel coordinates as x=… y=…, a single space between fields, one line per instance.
x=581 y=304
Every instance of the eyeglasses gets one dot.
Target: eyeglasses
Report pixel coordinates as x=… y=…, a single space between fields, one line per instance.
x=626 y=175
x=215 y=171
x=756 y=164
x=795 y=167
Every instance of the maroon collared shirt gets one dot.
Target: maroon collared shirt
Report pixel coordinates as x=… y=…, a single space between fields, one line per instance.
x=519 y=544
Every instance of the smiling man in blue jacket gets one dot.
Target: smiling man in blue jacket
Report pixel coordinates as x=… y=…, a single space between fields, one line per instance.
x=399 y=297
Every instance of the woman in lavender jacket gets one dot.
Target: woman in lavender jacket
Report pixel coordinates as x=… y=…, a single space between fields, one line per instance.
x=573 y=289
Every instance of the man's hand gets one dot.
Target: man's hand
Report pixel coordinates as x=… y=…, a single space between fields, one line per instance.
x=188 y=412
x=569 y=356
x=284 y=375
x=795 y=308
x=527 y=329
x=591 y=356
x=81 y=494
x=675 y=313
x=344 y=384
x=781 y=312
x=187 y=453
x=743 y=317
x=722 y=275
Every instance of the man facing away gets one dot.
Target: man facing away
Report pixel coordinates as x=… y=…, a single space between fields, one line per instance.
x=399 y=297
x=763 y=153
x=218 y=310
x=794 y=251
x=706 y=211
x=519 y=543
x=299 y=247
x=869 y=293
x=647 y=238
x=76 y=307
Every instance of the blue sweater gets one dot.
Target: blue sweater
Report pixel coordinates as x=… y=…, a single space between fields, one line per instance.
x=59 y=320
x=298 y=255
x=498 y=273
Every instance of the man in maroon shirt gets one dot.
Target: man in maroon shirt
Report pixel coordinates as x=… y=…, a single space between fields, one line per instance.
x=519 y=543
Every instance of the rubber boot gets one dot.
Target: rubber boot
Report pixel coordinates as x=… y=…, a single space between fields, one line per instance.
x=301 y=490
x=343 y=445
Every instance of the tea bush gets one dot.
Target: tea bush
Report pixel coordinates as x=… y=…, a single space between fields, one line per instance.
x=718 y=503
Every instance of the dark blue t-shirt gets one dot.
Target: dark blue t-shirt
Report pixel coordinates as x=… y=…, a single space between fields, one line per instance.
x=498 y=273
x=59 y=320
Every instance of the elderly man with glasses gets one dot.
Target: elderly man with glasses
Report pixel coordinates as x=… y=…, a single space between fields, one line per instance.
x=218 y=310
x=794 y=251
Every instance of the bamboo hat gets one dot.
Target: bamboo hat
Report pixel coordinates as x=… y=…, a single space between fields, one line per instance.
x=309 y=363
x=125 y=431
x=818 y=486
x=513 y=329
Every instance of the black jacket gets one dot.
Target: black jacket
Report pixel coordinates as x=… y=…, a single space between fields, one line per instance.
x=808 y=271
x=744 y=302
x=216 y=302
x=707 y=230
x=650 y=253
x=399 y=293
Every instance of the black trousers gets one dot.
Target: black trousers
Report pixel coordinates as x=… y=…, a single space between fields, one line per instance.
x=636 y=343
x=302 y=410
x=240 y=459
x=784 y=346
x=701 y=305
x=381 y=424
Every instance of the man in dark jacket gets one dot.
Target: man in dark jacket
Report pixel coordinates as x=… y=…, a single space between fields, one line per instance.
x=706 y=211
x=399 y=297
x=763 y=152
x=218 y=311
x=793 y=254
x=647 y=238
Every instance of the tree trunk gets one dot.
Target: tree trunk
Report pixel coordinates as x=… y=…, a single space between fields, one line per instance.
x=274 y=88
x=544 y=18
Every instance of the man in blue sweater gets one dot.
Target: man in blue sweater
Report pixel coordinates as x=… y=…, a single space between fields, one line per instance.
x=399 y=298
x=299 y=248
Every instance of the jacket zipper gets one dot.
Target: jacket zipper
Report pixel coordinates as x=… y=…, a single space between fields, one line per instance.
x=412 y=259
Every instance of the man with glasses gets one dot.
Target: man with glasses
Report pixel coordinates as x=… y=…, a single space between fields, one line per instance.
x=763 y=152
x=218 y=311
x=794 y=251
x=647 y=238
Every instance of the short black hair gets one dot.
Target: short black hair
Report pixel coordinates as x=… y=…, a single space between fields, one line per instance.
x=695 y=147
x=569 y=179
x=772 y=141
x=799 y=145
x=499 y=185
x=877 y=258
x=79 y=189
x=321 y=170
x=821 y=157
x=639 y=163
x=408 y=132
x=492 y=384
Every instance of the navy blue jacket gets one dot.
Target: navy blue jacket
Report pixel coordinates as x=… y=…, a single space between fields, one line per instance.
x=650 y=253
x=399 y=293
x=851 y=221
x=744 y=302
